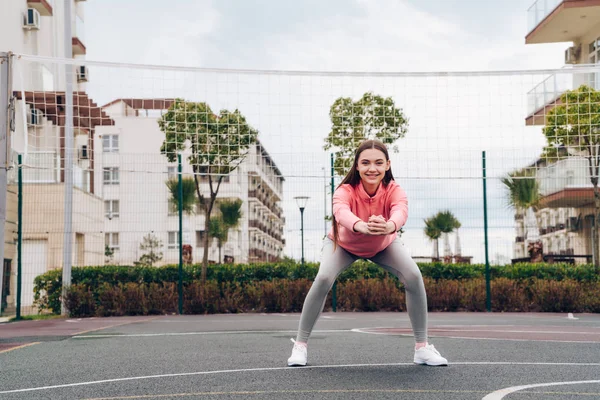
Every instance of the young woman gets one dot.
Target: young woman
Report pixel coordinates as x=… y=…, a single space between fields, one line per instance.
x=369 y=208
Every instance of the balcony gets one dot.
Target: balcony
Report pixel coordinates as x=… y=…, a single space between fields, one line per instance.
x=566 y=183
x=553 y=21
x=44 y=7
x=78 y=40
x=44 y=167
x=545 y=96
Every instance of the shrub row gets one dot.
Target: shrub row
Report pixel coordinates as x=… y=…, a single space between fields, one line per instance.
x=283 y=295
x=48 y=286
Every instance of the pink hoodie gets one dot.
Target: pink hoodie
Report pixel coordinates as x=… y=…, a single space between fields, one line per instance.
x=352 y=204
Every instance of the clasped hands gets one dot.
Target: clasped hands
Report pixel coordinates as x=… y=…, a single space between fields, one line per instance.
x=376 y=225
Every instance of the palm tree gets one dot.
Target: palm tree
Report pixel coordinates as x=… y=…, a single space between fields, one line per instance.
x=231 y=214
x=217 y=230
x=446 y=223
x=433 y=233
x=441 y=224
x=188 y=202
x=524 y=196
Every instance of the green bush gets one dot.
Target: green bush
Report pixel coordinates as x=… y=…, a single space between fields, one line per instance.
x=282 y=295
x=140 y=290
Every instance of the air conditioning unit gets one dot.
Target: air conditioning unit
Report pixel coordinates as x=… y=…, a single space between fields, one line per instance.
x=34 y=117
x=572 y=54
x=83 y=152
x=31 y=19
x=82 y=73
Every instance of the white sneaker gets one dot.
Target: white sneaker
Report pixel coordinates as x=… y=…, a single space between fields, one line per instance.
x=430 y=356
x=299 y=355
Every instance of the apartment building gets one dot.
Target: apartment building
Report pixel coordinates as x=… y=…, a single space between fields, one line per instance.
x=565 y=218
x=133 y=174
x=37 y=28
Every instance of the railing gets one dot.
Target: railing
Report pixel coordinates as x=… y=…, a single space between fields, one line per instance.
x=41 y=167
x=572 y=172
x=78 y=28
x=548 y=91
x=44 y=167
x=81 y=178
x=540 y=10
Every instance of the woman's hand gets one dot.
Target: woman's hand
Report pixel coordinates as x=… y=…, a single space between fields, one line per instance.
x=362 y=227
x=377 y=225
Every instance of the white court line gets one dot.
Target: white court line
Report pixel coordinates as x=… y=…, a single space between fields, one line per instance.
x=365 y=330
x=499 y=394
x=360 y=330
x=228 y=371
x=109 y=335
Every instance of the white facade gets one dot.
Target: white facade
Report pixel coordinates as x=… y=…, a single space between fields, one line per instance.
x=37 y=28
x=44 y=39
x=564 y=221
x=131 y=175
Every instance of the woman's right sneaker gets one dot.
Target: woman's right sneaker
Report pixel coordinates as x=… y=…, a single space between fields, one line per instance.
x=299 y=355
x=430 y=356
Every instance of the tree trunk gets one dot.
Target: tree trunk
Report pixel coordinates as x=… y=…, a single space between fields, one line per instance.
x=595 y=235
x=209 y=208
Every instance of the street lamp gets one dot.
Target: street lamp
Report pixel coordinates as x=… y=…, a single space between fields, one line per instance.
x=301 y=201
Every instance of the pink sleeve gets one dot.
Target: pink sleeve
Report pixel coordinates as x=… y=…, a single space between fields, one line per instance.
x=398 y=207
x=341 y=207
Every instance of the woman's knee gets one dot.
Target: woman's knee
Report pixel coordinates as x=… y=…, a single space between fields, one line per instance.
x=324 y=280
x=412 y=277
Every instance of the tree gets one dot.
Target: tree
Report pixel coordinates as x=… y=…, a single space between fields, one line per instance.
x=217 y=145
x=575 y=124
x=524 y=196
x=371 y=117
x=217 y=230
x=434 y=234
x=441 y=224
x=188 y=186
x=446 y=222
x=152 y=245
x=231 y=213
x=188 y=202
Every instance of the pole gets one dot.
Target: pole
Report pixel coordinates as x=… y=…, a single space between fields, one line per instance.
x=488 y=290
x=334 y=288
x=19 y=234
x=68 y=192
x=5 y=147
x=324 y=201
x=180 y=204
x=302 y=233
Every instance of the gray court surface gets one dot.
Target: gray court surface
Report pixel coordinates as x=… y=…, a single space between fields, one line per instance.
x=351 y=356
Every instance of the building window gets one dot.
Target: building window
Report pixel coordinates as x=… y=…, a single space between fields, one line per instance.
x=111 y=176
x=173 y=240
x=111 y=209
x=111 y=239
x=110 y=143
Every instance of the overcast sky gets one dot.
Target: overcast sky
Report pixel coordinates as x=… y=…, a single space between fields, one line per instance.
x=362 y=35
x=470 y=114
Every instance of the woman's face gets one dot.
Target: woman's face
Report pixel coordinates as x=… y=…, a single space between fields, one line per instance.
x=372 y=167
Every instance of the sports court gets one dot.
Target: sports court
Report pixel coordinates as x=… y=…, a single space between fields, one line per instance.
x=351 y=355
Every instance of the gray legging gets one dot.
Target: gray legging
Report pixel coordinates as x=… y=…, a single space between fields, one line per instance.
x=394 y=259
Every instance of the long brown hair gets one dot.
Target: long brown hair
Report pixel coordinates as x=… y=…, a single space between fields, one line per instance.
x=353 y=176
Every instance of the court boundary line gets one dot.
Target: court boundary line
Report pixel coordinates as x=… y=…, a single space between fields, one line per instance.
x=263 y=369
